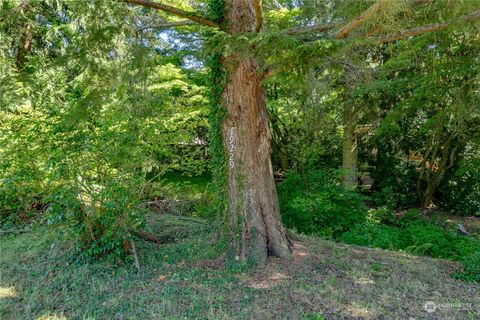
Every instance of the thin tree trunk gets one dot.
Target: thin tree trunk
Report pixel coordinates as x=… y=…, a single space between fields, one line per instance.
x=25 y=42
x=349 y=157
x=447 y=159
x=253 y=202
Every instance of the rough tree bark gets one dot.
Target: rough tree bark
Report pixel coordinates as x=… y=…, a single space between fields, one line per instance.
x=252 y=195
x=253 y=202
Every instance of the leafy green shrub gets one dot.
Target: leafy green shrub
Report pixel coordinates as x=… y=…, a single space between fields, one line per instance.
x=381 y=215
x=410 y=215
x=430 y=239
x=102 y=221
x=20 y=198
x=420 y=238
x=321 y=206
x=375 y=235
x=471 y=267
x=460 y=191
x=394 y=184
x=22 y=167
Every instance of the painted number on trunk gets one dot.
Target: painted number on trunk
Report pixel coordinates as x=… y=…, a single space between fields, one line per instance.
x=231 y=148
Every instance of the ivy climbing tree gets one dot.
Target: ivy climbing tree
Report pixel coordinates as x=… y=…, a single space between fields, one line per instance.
x=252 y=199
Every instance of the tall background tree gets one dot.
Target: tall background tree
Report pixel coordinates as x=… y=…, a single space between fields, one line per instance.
x=253 y=204
x=286 y=76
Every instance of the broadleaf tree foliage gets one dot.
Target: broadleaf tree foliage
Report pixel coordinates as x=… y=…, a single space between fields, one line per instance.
x=100 y=97
x=253 y=202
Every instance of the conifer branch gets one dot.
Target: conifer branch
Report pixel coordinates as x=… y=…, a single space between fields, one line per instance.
x=367 y=14
x=355 y=23
x=173 y=10
x=425 y=29
x=167 y=24
x=329 y=26
x=314 y=28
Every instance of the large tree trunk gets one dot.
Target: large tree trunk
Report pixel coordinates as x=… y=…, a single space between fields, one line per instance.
x=253 y=202
x=349 y=158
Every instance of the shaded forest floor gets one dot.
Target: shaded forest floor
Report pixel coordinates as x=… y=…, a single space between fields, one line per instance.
x=42 y=278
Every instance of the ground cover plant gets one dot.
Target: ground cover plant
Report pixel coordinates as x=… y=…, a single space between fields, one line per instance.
x=232 y=158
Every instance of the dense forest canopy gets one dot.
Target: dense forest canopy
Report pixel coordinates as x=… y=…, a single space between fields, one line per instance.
x=354 y=104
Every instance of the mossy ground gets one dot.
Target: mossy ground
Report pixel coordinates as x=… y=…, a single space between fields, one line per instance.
x=42 y=278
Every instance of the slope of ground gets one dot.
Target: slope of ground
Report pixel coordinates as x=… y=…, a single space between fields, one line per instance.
x=42 y=279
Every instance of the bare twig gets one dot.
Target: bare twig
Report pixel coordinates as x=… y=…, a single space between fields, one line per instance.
x=135 y=256
x=462 y=230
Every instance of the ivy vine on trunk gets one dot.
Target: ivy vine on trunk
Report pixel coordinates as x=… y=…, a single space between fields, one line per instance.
x=252 y=198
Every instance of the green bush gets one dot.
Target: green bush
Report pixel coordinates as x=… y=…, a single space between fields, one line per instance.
x=375 y=235
x=102 y=221
x=460 y=191
x=394 y=184
x=432 y=240
x=420 y=238
x=383 y=215
x=21 y=197
x=321 y=206
x=471 y=267
x=23 y=169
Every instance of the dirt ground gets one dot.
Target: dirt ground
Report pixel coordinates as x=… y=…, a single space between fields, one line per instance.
x=41 y=278
x=344 y=282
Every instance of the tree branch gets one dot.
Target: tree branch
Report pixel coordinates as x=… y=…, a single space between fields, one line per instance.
x=329 y=26
x=163 y=25
x=173 y=10
x=355 y=23
x=313 y=28
x=425 y=29
x=21 y=7
x=258 y=14
x=367 y=14
x=273 y=70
